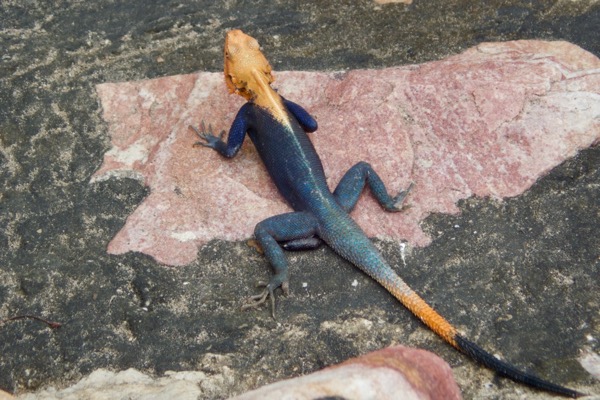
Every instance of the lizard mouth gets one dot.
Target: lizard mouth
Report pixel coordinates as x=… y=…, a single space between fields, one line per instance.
x=235 y=85
x=242 y=88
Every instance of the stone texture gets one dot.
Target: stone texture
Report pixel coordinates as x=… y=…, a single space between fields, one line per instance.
x=399 y=373
x=128 y=385
x=540 y=249
x=393 y=1
x=5 y=396
x=590 y=361
x=487 y=122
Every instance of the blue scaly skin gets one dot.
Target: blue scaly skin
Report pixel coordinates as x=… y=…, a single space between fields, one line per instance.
x=278 y=128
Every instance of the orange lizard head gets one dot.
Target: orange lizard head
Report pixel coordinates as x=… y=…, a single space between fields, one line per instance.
x=246 y=68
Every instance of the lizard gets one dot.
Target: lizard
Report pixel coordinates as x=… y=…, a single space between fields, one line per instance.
x=279 y=131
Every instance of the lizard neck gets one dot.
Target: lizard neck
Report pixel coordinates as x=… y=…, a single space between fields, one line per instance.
x=268 y=98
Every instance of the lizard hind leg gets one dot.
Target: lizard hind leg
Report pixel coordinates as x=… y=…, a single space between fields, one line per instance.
x=287 y=227
x=353 y=182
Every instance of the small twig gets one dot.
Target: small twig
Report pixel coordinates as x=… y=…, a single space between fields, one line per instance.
x=51 y=324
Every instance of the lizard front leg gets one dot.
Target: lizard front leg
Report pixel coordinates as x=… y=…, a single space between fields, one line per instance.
x=280 y=228
x=353 y=182
x=235 y=138
x=307 y=121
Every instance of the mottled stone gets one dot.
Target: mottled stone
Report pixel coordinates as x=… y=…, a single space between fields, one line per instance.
x=399 y=373
x=393 y=373
x=590 y=361
x=487 y=122
x=393 y=1
x=103 y=384
x=5 y=396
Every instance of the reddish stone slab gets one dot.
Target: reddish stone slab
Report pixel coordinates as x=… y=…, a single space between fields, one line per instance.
x=398 y=373
x=486 y=122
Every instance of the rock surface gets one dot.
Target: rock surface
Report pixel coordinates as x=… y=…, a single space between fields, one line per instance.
x=487 y=122
x=398 y=372
x=518 y=275
x=131 y=384
x=5 y=396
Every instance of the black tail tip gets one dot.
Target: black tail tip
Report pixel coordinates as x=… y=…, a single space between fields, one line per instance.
x=510 y=371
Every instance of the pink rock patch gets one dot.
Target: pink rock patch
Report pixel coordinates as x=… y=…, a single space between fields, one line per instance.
x=487 y=122
x=398 y=373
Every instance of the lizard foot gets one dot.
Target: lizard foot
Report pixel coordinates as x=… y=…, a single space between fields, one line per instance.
x=398 y=201
x=207 y=136
x=261 y=298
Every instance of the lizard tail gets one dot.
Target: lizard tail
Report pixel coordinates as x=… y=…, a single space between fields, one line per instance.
x=510 y=371
x=359 y=250
x=401 y=291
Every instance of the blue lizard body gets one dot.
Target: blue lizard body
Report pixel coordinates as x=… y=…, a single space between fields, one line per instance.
x=278 y=128
x=296 y=169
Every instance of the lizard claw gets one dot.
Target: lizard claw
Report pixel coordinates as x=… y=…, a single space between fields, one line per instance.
x=207 y=136
x=261 y=298
x=397 y=204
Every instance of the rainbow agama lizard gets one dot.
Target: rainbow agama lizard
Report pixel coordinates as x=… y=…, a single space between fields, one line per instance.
x=278 y=128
